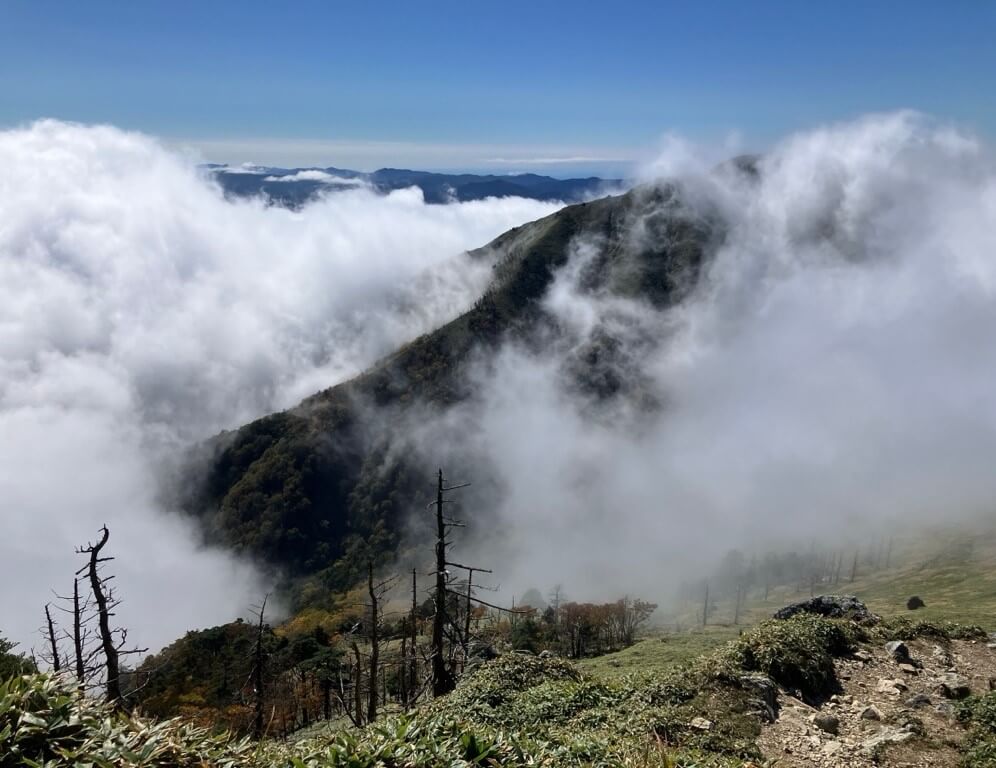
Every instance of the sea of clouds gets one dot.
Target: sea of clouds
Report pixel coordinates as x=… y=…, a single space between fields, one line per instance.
x=141 y=311
x=831 y=379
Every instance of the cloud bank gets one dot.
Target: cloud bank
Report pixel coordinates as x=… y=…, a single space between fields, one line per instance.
x=314 y=174
x=833 y=374
x=140 y=310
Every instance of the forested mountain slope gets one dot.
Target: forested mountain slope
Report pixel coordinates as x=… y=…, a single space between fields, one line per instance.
x=298 y=488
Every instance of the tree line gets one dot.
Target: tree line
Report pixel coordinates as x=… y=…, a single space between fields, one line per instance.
x=406 y=637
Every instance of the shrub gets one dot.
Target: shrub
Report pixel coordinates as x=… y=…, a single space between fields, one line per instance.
x=796 y=653
x=905 y=628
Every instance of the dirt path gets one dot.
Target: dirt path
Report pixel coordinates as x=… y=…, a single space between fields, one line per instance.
x=887 y=714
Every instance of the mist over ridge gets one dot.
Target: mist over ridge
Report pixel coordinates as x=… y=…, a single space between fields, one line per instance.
x=143 y=312
x=787 y=348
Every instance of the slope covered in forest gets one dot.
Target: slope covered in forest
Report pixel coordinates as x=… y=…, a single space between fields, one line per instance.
x=298 y=489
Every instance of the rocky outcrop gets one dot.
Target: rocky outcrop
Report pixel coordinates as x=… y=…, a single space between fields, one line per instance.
x=831 y=606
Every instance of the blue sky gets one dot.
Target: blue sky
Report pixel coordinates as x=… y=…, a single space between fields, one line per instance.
x=496 y=84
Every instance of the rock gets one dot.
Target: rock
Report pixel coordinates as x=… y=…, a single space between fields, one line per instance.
x=892 y=687
x=701 y=724
x=909 y=669
x=483 y=651
x=764 y=695
x=871 y=713
x=547 y=654
x=915 y=602
x=862 y=656
x=831 y=606
x=942 y=656
x=918 y=700
x=886 y=736
x=898 y=651
x=953 y=686
x=827 y=723
x=945 y=708
x=832 y=748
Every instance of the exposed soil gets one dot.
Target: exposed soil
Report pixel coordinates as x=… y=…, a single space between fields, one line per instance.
x=899 y=730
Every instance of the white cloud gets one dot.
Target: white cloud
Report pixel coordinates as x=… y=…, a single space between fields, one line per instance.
x=140 y=310
x=371 y=155
x=314 y=174
x=830 y=379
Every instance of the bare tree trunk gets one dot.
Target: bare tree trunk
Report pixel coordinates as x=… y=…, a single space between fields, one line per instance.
x=78 y=636
x=413 y=677
x=705 y=606
x=466 y=625
x=442 y=678
x=357 y=695
x=374 y=646
x=56 y=663
x=111 y=659
x=258 y=676
x=854 y=565
x=403 y=665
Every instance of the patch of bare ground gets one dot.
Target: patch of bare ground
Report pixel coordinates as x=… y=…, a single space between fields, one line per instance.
x=890 y=711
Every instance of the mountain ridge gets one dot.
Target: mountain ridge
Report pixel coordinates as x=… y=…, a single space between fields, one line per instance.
x=294 y=187
x=300 y=488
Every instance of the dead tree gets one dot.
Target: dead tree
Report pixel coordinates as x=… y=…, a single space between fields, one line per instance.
x=56 y=663
x=78 y=636
x=443 y=679
x=374 y=645
x=112 y=640
x=357 y=694
x=258 y=674
x=86 y=665
x=705 y=606
x=556 y=598
x=376 y=616
x=443 y=626
x=413 y=650
x=854 y=566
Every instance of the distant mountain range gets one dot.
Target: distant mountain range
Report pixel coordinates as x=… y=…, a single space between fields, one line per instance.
x=292 y=187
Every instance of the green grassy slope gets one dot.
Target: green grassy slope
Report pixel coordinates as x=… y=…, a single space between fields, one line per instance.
x=953 y=571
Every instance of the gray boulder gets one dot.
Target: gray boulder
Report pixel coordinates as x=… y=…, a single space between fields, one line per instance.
x=763 y=695
x=898 y=651
x=831 y=606
x=953 y=686
x=827 y=723
x=918 y=700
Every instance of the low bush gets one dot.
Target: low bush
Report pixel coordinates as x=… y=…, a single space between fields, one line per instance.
x=905 y=628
